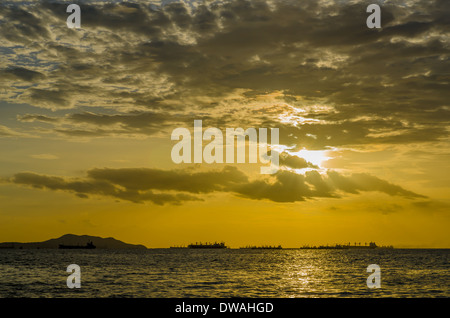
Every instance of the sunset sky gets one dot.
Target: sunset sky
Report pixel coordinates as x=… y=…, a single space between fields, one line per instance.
x=86 y=117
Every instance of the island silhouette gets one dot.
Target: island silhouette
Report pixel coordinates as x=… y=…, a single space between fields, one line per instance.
x=72 y=241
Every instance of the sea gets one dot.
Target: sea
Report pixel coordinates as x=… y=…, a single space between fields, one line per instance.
x=224 y=273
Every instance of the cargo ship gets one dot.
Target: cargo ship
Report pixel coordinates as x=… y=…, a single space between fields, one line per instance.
x=208 y=245
x=264 y=247
x=88 y=246
x=371 y=245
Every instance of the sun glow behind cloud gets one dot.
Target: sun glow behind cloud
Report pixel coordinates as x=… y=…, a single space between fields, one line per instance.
x=316 y=157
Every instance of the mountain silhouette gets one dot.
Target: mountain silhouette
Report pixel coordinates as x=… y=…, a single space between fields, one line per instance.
x=76 y=240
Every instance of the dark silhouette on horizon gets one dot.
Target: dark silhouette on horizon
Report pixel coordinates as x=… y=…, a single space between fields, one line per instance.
x=372 y=245
x=263 y=247
x=72 y=241
x=208 y=245
x=88 y=246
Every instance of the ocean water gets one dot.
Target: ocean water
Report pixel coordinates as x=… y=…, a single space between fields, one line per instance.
x=224 y=273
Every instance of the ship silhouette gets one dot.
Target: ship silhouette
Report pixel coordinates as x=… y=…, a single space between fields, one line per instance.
x=208 y=245
x=88 y=246
x=372 y=245
x=263 y=247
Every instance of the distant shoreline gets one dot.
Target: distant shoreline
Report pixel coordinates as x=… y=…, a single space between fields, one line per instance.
x=112 y=243
x=231 y=248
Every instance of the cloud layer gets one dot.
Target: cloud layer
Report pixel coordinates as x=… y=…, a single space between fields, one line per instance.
x=175 y=186
x=311 y=68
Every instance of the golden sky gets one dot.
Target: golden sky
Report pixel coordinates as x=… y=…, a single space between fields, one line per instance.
x=86 y=117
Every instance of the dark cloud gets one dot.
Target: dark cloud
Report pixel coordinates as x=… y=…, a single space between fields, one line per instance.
x=135 y=185
x=292 y=187
x=288 y=187
x=85 y=133
x=22 y=25
x=88 y=124
x=52 y=98
x=433 y=206
x=147 y=123
x=365 y=182
x=177 y=180
x=131 y=17
x=41 y=118
x=84 y=188
x=175 y=186
x=21 y=73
